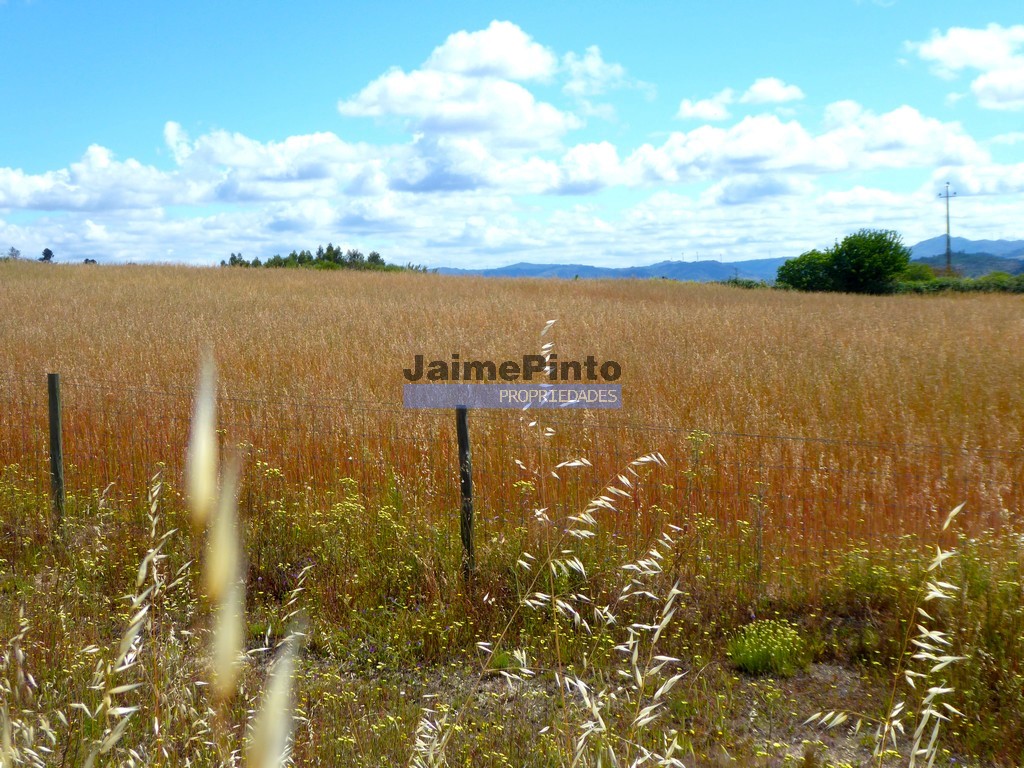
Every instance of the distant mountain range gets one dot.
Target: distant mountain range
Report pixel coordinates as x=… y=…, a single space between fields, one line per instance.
x=972 y=258
x=936 y=246
x=969 y=256
x=697 y=271
x=976 y=264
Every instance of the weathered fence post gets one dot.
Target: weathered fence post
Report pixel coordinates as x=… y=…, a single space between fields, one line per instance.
x=466 y=485
x=56 y=453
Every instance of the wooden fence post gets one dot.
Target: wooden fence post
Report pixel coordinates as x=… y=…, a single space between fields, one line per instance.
x=56 y=453
x=466 y=485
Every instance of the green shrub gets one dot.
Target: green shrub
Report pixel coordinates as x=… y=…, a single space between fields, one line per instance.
x=744 y=282
x=994 y=282
x=917 y=272
x=768 y=646
x=868 y=261
x=809 y=271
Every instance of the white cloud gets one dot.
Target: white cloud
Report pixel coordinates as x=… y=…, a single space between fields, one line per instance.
x=305 y=157
x=589 y=167
x=743 y=189
x=1014 y=137
x=764 y=90
x=96 y=182
x=96 y=233
x=978 y=180
x=960 y=48
x=855 y=139
x=177 y=141
x=900 y=138
x=840 y=113
x=996 y=52
x=714 y=109
x=503 y=50
x=471 y=85
x=486 y=235
x=447 y=103
x=771 y=90
x=1001 y=88
x=591 y=75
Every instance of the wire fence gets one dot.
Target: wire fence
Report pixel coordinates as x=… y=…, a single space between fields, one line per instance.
x=807 y=492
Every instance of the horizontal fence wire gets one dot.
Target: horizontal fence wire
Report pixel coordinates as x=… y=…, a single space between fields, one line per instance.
x=809 y=493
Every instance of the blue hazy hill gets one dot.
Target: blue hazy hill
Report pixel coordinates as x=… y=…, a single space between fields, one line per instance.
x=752 y=269
x=697 y=271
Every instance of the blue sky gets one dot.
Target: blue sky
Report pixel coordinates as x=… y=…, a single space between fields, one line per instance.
x=479 y=134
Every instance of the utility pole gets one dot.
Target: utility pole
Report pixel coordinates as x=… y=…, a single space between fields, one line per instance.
x=949 y=245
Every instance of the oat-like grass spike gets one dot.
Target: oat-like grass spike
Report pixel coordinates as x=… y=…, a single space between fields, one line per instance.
x=225 y=584
x=201 y=458
x=228 y=640
x=6 y=743
x=271 y=731
x=223 y=549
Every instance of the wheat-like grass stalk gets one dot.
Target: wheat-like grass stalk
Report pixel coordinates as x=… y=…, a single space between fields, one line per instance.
x=929 y=647
x=272 y=727
x=201 y=464
x=223 y=563
x=268 y=738
x=6 y=743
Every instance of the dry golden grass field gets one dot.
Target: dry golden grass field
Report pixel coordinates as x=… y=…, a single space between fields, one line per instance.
x=900 y=406
x=812 y=444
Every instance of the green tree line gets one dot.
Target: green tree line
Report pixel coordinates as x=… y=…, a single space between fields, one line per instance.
x=330 y=257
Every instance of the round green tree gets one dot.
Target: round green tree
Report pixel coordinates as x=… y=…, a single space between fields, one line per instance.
x=868 y=261
x=810 y=271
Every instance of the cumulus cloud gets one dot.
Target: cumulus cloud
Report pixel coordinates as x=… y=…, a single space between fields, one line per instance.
x=771 y=90
x=443 y=165
x=590 y=74
x=855 y=139
x=714 y=109
x=216 y=167
x=471 y=85
x=900 y=138
x=589 y=167
x=448 y=103
x=764 y=90
x=503 y=50
x=981 y=180
x=995 y=52
x=176 y=139
x=1001 y=88
x=1013 y=137
x=96 y=232
x=97 y=181
x=959 y=48
x=744 y=189
x=306 y=157
x=487 y=235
